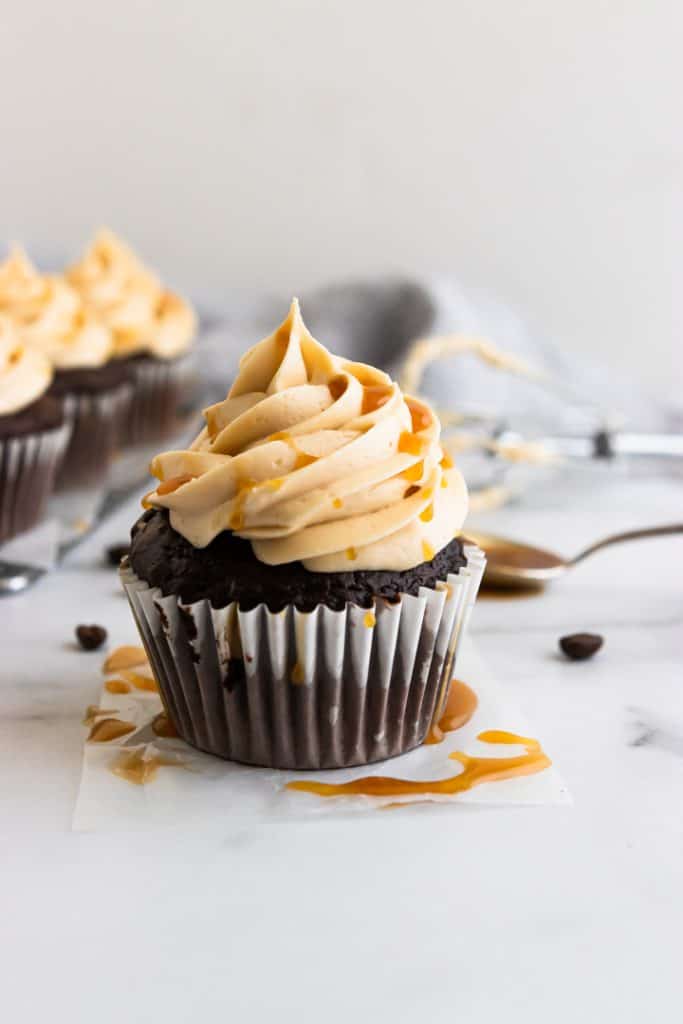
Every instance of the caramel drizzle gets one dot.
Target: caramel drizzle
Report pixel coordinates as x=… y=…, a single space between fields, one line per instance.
x=108 y=729
x=374 y=397
x=163 y=726
x=476 y=771
x=124 y=657
x=461 y=704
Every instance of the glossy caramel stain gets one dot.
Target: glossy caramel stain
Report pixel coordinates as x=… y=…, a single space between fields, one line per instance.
x=461 y=704
x=139 y=681
x=410 y=491
x=369 y=620
x=93 y=712
x=446 y=461
x=351 y=554
x=409 y=444
x=415 y=472
x=337 y=503
x=427 y=551
x=117 y=686
x=427 y=514
x=476 y=771
x=337 y=386
x=163 y=726
x=236 y=521
x=108 y=729
x=127 y=656
x=297 y=674
x=420 y=416
x=374 y=397
x=173 y=483
x=138 y=770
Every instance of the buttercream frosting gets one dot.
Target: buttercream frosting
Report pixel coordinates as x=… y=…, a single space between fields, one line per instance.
x=317 y=459
x=25 y=374
x=142 y=315
x=50 y=316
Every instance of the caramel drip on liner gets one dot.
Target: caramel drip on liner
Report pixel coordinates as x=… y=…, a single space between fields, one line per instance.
x=476 y=771
x=369 y=620
x=163 y=726
x=461 y=704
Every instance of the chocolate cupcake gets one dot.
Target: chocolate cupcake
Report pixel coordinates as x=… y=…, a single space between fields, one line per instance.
x=94 y=392
x=298 y=579
x=152 y=329
x=33 y=434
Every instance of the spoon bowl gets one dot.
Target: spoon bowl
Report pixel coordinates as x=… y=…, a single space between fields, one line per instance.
x=510 y=563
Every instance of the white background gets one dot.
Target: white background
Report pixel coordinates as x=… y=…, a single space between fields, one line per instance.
x=533 y=147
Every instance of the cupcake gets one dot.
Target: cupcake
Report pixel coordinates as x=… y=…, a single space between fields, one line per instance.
x=95 y=392
x=32 y=433
x=298 y=579
x=152 y=328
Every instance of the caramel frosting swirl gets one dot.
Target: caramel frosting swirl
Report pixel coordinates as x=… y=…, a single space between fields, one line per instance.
x=315 y=459
x=25 y=374
x=50 y=317
x=129 y=298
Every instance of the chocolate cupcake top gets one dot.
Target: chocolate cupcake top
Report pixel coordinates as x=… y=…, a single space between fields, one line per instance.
x=25 y=374
x=50 y=316
x=144 y=317
x=315 y=459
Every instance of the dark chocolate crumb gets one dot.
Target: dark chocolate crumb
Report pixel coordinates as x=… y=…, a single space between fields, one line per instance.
x=115 y=553
x=580 y=646
x=91 y=637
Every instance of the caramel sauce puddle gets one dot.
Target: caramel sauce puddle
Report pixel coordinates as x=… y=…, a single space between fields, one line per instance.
x=461 y=704
x=135 y=768
x=476 y=771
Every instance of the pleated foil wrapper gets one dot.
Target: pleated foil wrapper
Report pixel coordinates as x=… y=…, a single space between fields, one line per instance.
x=162 y=392
x=306 y=690
x=96 y=422
x=28 y=466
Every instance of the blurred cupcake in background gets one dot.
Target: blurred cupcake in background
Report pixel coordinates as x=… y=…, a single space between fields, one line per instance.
x=95 y=391
x=152 y=328
x=33 y=433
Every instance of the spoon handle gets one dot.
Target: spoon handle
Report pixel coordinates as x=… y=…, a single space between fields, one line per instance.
x=619 y=538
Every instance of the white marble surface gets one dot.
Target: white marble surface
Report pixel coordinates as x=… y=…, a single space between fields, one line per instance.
x=430 y=914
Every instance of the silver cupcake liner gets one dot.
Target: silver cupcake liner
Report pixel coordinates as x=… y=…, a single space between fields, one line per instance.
x=96 y=422
x=28 y=465
x=307 y=690
x=162 y=392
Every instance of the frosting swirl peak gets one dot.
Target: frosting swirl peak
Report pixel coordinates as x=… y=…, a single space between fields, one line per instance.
x=317 y=459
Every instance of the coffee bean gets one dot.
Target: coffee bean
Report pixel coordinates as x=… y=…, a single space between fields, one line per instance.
x=91 y=637
x=115 y=553
x=580 y=646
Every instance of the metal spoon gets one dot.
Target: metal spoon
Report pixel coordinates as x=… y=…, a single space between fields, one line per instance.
x=511 y=564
